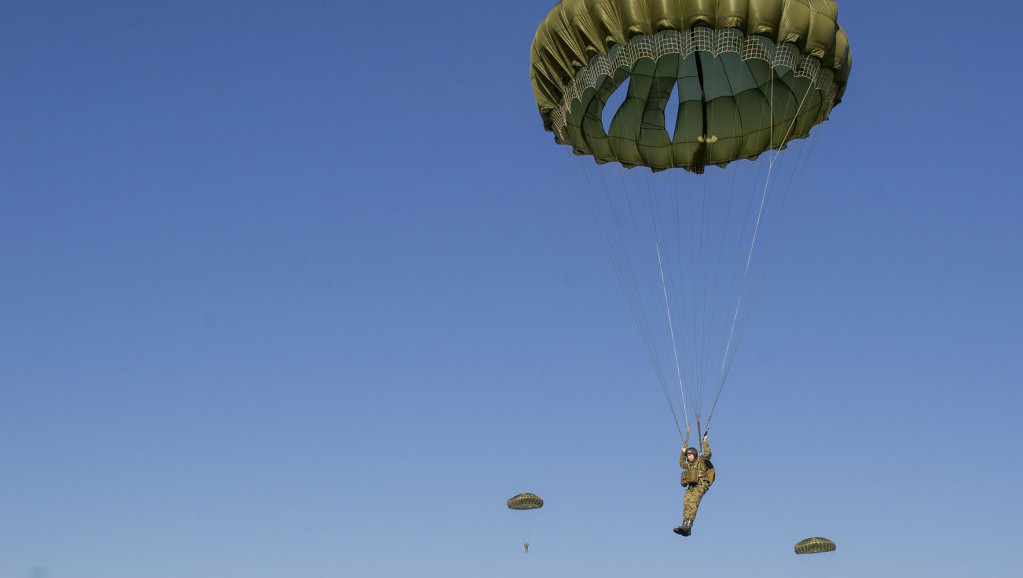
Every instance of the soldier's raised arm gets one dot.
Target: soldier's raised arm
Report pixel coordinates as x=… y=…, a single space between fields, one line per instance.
x=706 y=448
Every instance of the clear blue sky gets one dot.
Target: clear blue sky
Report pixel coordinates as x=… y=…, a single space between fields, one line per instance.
x=304 y=289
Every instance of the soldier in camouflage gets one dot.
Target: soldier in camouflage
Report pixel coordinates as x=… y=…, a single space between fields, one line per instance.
x=697 y=476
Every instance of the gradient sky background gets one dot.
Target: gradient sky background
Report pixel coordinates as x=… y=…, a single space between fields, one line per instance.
x=304 y=289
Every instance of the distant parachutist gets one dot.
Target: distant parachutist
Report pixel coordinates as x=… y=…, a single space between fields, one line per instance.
x=525 y=501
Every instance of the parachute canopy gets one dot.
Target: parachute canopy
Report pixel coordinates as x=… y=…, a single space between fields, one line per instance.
x=749 y=76
x=676 y=86
x=814 y=545
x=525 y=502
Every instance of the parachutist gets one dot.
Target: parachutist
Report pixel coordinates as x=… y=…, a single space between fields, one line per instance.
x=666 y=88
x=697 y=477
x=679 y=87
x=525 y=501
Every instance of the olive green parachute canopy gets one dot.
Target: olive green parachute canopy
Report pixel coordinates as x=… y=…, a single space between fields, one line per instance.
x=750 y=76
x=815 y=545
x=525 y=502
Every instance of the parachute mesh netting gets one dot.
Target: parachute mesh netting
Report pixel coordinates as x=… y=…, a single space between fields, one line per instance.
x=666 y=103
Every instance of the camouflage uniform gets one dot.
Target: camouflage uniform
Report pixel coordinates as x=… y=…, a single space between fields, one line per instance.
x=703 y=470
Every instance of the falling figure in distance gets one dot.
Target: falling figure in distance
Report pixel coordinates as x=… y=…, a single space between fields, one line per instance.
x=526 y=546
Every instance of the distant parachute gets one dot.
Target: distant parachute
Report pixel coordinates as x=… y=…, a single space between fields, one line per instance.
x=815 y=545
x=525 y=502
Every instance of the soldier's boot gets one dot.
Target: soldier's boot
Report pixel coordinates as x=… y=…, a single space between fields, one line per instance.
x=679 y=530
x=687 y=526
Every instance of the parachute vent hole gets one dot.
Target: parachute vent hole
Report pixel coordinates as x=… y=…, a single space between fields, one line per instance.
x=671 y=111
x=614 y=102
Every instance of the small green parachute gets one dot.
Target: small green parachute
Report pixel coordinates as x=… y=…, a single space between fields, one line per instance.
x=525 y=502
x=815 y=545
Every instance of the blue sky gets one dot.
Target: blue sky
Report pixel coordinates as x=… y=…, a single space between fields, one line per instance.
x=304 y=289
